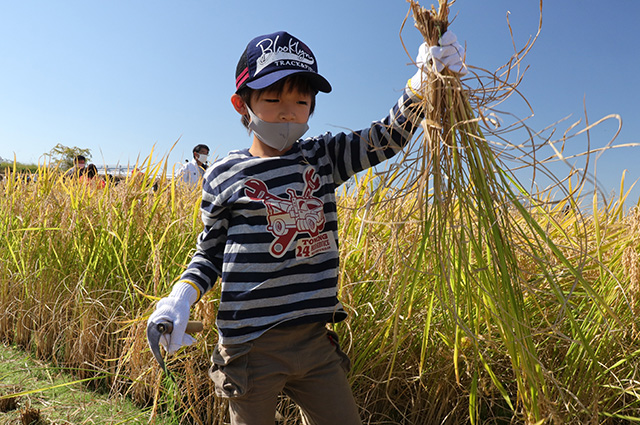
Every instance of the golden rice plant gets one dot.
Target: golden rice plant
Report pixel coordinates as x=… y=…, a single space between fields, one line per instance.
x=400 y=335
x=96 y=249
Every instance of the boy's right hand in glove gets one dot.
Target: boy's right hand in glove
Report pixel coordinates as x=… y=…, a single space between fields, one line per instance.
x=175 y=308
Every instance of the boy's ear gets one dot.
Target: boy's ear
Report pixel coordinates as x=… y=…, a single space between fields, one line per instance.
x=239 y=104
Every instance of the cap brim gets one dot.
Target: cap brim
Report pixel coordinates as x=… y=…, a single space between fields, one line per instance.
x=317 y=81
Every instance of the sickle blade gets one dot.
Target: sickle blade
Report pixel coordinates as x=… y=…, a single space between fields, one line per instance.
x=154 y=332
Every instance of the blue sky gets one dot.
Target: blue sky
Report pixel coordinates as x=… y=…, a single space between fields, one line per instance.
x=122 y=77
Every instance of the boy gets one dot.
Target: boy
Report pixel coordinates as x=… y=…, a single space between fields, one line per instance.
x=271 y=234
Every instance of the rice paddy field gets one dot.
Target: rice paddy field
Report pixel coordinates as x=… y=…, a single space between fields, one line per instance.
x=471 y=299
x=81 y=267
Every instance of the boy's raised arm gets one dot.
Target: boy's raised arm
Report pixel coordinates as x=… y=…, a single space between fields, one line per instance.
x=357 y=151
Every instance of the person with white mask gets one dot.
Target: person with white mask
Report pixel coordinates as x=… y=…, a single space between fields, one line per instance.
x=192 y=172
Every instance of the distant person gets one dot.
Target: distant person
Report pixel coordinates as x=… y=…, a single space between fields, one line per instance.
x=92 y=171
x=91 y=175
x=193 y=171
x=78 y=169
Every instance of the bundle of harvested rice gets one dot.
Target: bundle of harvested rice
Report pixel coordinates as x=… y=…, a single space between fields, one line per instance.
x=480 y=226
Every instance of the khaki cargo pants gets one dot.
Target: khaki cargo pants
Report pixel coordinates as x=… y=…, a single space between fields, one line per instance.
x=304 y=361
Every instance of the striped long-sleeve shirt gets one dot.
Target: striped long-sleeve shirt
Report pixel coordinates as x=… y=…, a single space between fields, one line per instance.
x=271 y=226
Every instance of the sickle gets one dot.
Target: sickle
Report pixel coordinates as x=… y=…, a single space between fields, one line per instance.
x=156 y=330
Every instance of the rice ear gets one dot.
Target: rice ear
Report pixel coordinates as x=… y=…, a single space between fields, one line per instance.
x=431 y=23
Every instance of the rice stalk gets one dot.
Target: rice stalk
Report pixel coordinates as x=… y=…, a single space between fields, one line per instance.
x=479 y=222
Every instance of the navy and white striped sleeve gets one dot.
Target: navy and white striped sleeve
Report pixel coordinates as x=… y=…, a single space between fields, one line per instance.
x=206 y=264
x=357 y=151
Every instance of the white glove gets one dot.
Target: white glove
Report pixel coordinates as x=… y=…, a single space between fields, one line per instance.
x=448 y=53
x=175 y=308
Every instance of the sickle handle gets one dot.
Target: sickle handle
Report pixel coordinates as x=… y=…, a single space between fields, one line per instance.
x=193 y=326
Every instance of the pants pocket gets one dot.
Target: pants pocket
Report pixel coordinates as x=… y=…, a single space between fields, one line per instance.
x=229 y=370
x=335 y=341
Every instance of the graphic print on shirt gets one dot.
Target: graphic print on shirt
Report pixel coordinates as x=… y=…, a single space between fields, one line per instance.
x=297 y=214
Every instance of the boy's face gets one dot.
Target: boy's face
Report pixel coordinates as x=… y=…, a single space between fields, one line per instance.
x=282 y=106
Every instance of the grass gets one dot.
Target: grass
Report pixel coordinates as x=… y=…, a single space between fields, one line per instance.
x=19 y=167
x=57 y=397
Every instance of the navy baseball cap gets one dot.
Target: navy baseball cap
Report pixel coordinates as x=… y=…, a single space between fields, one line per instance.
x=270 y=58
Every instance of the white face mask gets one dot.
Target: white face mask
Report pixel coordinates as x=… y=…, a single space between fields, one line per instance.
x=202 y=157
x=278 y=135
